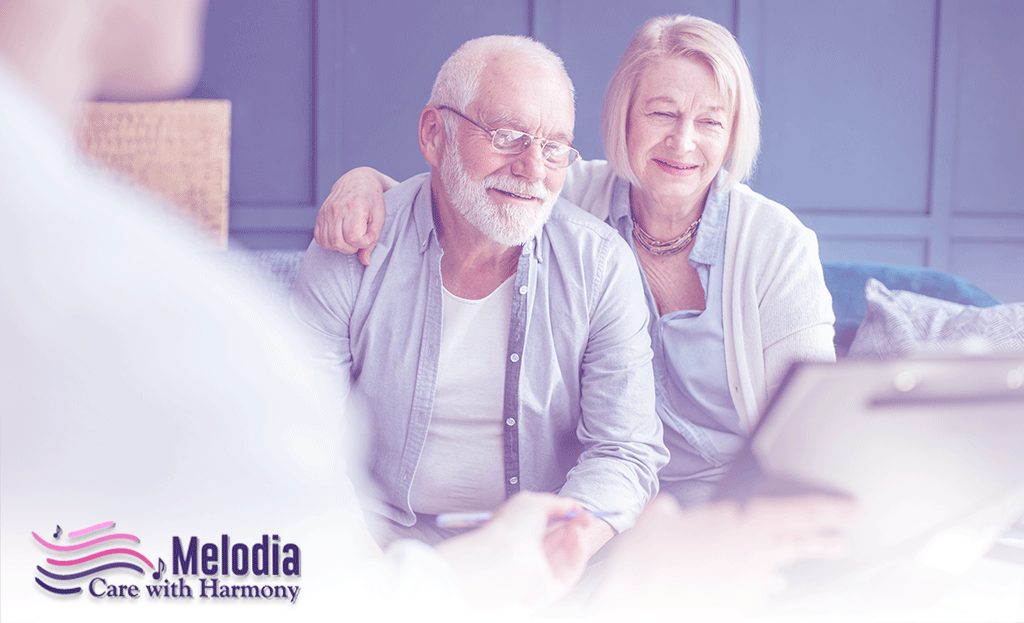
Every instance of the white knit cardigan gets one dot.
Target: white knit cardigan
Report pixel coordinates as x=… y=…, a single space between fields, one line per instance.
x=775 y=305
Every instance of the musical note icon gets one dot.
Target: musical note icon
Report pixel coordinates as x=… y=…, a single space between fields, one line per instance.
x=160 y=569
x=56 y=534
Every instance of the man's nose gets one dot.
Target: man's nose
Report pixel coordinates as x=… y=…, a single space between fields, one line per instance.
x=531 y=163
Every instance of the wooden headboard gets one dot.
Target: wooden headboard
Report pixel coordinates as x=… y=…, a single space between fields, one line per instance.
x=179 y=149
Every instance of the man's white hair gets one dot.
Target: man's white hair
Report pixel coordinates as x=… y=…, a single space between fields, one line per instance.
x=458 y=82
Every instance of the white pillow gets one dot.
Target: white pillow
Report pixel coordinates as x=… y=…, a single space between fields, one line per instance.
x=904 y=323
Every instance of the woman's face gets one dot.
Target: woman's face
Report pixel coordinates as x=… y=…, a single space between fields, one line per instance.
x=677 y=133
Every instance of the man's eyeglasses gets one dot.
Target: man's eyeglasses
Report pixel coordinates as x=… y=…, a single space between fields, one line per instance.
x=514 y=142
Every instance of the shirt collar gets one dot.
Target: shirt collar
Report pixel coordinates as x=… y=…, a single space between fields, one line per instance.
x=707 y=247
x=710 y=235
x=423 y=213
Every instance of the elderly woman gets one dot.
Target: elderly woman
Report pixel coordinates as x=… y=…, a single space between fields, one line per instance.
x=733 y=280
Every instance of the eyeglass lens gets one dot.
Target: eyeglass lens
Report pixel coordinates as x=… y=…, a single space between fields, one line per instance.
x=512 y=141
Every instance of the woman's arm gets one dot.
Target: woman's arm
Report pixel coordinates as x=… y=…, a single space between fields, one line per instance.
x=352 y=216
x=776 y=304
x=796 y=311
x=588 y=184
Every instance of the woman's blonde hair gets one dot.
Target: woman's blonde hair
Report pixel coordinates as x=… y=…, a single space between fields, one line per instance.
x=685 y=36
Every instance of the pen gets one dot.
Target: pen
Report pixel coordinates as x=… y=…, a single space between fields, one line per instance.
x=477 y=519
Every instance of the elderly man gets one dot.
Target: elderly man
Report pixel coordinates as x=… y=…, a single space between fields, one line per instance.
x=494 y=333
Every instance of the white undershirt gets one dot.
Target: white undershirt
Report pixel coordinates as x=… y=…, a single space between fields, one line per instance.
x=462 y=465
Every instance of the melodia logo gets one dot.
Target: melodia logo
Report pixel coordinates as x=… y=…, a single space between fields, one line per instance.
x=84 y=561
x=84 y=553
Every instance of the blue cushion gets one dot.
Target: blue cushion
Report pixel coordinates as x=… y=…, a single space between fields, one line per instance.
x=845 y=280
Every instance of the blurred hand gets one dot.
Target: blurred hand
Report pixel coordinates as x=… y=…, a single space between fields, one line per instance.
x=515 y=560
x=351 y=218
x=718 y=558
x=585 y=530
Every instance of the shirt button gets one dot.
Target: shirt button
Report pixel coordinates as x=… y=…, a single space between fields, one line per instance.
x=523 y=289
x=510 y=422
x=514 y=357
x=513 y=480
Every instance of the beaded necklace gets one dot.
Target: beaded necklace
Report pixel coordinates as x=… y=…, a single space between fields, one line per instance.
x=663 y=247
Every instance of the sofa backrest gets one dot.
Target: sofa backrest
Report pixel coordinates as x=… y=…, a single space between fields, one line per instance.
x=845 y=280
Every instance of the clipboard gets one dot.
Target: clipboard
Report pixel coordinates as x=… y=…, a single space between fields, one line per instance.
x=931 y=449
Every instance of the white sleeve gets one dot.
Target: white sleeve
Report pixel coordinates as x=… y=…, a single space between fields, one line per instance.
x=796 y=310
x=588 y=184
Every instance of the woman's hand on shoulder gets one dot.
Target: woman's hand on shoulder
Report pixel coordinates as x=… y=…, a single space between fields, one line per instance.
x=351 y=218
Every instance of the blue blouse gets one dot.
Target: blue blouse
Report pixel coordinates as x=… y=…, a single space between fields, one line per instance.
x=702 y=428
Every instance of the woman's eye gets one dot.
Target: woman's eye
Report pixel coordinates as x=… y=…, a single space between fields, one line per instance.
x=661 y=113
x=713 y=122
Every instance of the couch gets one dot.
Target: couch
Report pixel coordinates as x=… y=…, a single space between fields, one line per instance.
x=846 y=282
x=851 y=286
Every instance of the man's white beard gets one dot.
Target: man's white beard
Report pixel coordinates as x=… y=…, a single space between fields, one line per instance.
x=510 y=224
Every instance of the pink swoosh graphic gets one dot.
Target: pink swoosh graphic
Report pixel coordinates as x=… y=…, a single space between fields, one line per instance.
x=99 y=526
x=71 y=548
x=106 y=552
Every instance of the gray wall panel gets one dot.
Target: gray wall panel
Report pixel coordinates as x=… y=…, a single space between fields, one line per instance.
x=910 y=251
x=994 y=266
x=259 y=54
x=846 y=92
x=390 y=53
x=989 y=145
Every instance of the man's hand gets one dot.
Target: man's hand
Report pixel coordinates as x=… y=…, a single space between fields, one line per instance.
x=719 y=558
x=514 y=560
x=351 y=218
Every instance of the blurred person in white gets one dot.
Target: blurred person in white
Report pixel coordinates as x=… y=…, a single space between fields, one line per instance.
x=141 y=383
x=732 y=280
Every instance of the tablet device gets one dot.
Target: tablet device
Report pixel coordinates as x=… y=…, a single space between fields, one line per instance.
x=932 y=450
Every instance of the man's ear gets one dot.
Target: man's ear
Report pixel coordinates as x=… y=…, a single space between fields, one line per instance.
x=431 y=135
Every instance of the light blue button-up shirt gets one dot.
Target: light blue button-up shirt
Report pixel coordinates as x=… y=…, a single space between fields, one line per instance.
x=579 y=389
x=703 y=431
